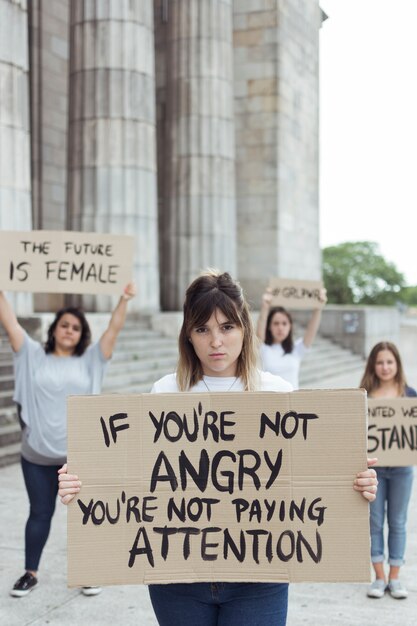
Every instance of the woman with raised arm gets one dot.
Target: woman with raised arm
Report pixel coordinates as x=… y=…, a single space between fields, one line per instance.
x=384 y=378
x=217 y=353
x=280 y=354
x=44 y=376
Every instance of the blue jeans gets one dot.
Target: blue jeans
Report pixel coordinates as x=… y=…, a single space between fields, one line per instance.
x=394 y=490
x=220 y=604
x=42 y=486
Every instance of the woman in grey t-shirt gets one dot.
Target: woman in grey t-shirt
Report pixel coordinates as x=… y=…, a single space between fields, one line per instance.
x=44 y=376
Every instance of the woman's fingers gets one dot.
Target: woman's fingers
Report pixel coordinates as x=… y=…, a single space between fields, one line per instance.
x=129 y=291
x=67 y=498
x=68 y=477
x=68 y=485
x=369 y=495
x=63 y=469
x=367 y=483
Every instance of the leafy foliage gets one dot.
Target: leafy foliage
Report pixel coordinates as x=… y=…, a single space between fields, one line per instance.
x=356 y=273
x=409 y=296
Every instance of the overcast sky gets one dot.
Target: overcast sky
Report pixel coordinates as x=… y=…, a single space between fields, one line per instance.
x=368 y=118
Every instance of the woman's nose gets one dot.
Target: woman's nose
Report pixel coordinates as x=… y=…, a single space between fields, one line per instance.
x=216 y=339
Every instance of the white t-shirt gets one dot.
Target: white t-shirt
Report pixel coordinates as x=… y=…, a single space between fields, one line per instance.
x=287 y=366
x=268 y=382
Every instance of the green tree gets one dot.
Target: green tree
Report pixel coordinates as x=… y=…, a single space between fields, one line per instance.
x=408 y=295
x=355 y=272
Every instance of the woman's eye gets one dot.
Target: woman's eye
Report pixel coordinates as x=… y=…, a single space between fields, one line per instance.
x=200 y=330
x=228 y=327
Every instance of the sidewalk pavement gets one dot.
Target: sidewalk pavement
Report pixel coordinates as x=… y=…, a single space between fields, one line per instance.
x=52 y=603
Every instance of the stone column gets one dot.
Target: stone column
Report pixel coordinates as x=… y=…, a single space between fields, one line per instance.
x=276 y=107
x=15 y=198
x=198 y=225
x=112 y=162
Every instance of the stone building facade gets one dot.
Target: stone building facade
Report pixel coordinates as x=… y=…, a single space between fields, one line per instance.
x=192 y=124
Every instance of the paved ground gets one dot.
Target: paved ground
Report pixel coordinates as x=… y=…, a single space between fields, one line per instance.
x=53 y=604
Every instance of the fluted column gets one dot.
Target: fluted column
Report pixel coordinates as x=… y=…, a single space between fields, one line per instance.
x=15 y=198
x=112 y=162
x=198 y=228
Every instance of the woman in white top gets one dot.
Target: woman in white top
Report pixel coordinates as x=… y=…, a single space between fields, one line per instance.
x=44 y=376
x=217 y=348
x=280 y=354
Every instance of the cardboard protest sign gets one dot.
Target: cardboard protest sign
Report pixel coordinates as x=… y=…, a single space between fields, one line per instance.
x=296 y=294
x=45 y=261
x=392 y=431
x=217 y=487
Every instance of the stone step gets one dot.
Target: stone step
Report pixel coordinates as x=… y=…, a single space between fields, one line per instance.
x=138 y=332
x=6 y=398
x=7 y=382
x=10 y=454
x=8 y=414
x=136 y=379
x=316 y=379
x=6 y=369
x=6 y=356
x=130 y=367
x=10 y=433
x=143 y=352
x=321 y=363
x=143 y=343
x=144 y=387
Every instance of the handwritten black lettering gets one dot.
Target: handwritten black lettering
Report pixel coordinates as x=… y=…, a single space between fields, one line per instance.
x=20 y=268
x=281 y=427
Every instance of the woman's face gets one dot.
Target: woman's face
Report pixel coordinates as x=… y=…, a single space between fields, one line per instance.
x=279 y=327
x=218 y=344
x=67 y=333
x=385 y=366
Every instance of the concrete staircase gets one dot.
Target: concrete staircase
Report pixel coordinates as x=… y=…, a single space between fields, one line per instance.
x=143 y=355
x=328 y=366
x=9 y=427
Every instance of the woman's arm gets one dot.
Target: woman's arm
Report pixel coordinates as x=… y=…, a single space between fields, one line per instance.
x=263 y=314
x=314 y=323
x=69 y=485
x=117 y=320
x=366 y=482
x=12 y=327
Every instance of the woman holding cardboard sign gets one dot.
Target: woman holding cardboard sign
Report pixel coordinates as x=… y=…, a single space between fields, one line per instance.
x=280 y=354
x=384 y=378
x=44 y=377
x=217 y=353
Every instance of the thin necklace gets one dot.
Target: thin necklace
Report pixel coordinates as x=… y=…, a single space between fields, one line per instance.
x=210 y=390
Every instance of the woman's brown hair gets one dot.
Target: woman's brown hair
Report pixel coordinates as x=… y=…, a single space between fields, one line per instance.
x=85 y=338
x=210 y=291
x=288 y=343
x=370 y=380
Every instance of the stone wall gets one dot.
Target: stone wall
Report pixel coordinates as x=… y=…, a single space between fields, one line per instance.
x=357 y=328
